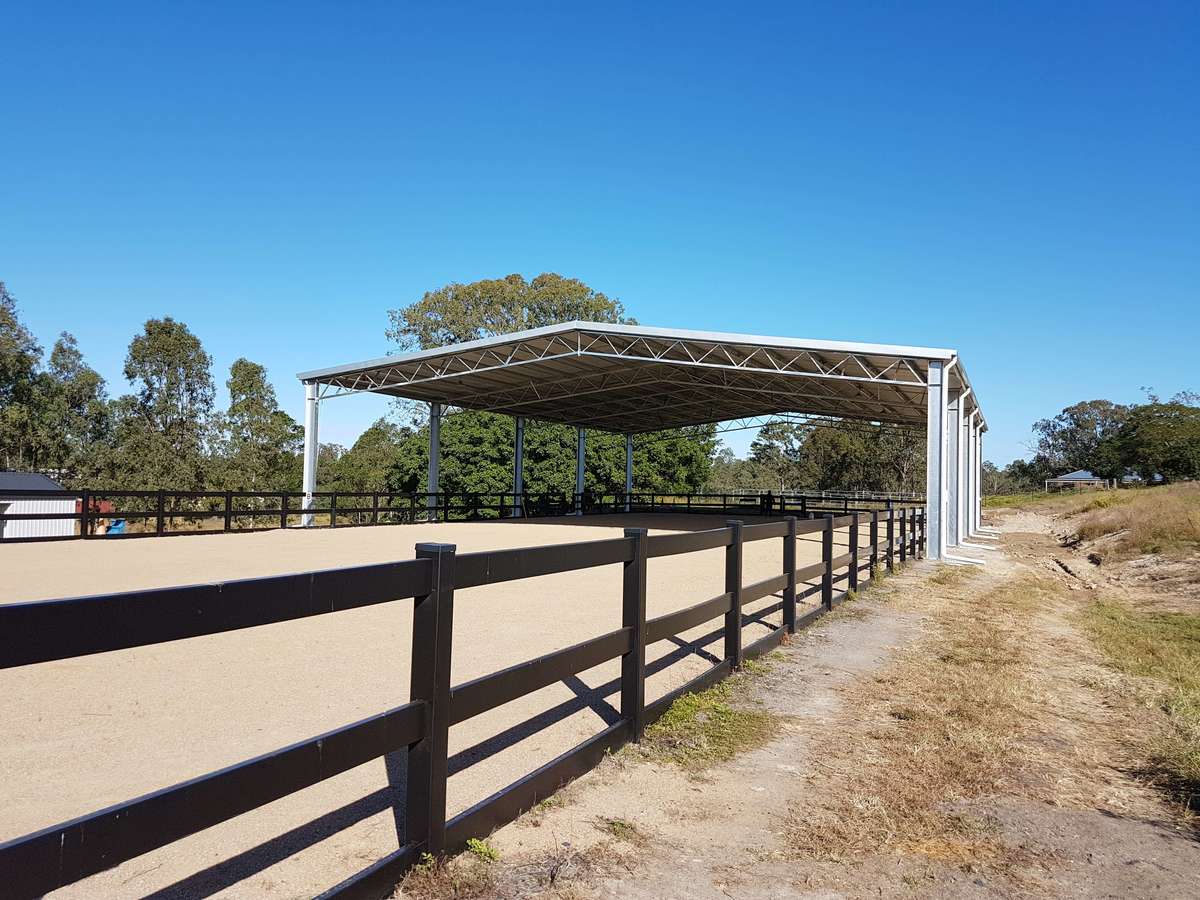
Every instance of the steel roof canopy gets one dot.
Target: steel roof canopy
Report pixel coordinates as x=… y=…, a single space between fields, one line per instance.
x=633 y=378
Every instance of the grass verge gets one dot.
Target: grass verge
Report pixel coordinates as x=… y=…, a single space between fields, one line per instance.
x=1155 y=520
x=1163 y=647
x=957 y=704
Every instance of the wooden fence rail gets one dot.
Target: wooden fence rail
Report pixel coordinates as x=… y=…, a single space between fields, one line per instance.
x=42 y=631
x=171 y=513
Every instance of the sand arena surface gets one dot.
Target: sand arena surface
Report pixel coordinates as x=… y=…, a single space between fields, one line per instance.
x=85 y=733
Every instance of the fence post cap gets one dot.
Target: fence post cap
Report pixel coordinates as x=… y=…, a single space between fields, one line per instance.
x=636 y=532
x=427 y=549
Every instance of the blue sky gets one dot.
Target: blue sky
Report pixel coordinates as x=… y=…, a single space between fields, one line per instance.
x=1021 y=183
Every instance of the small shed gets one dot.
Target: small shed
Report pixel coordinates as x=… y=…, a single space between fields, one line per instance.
x=28 y=493
x=1081 y=480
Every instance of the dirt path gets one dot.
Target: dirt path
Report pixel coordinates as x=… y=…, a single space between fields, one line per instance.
x=952 y=734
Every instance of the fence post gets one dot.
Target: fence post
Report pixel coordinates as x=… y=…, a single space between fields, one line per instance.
x=375 y=507
x=84 y=514
x=916 y=540
x=633 y=616
x=283 y=509
x=903 y=533
x=160 y=519
x=874 y=542
x=921 y=533
x=891 y=539
x=333 y=510
x=733 y=587
x=433 y=623
x=789 y=569
x=228 y=510
x=827 y=558
x=854 y=552
x=804 y=506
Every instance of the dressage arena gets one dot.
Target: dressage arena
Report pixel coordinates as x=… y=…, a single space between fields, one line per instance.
x=87 y=732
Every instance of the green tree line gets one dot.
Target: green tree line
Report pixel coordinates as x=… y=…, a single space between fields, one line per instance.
x=1155 y=440
x=166 y=430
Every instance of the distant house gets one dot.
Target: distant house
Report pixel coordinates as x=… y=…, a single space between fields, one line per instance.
x=14 y=500
x=1081 y=480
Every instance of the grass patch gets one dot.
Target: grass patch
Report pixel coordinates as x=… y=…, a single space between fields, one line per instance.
x=1164 y=647
x=621 y=830
x=950 y=575
x=701 y=730
x=1016 y=501
x=461 y=878
x=956 y=705
x=1153 y=520
x=482 y=850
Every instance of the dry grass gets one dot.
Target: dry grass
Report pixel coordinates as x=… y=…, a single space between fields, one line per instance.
x=957 y=704
x=464 y=877
x=1163 y=647
x=1155 y=520
x=557 y=872
x=947 y=575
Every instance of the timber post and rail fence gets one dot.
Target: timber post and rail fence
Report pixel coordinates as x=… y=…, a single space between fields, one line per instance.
x=44 y=631
x=165 y=513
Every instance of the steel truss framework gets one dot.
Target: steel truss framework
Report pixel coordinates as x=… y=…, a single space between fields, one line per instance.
x=634 y=380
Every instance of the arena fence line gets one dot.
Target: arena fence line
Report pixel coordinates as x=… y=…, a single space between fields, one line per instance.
x=170 y=513
x=43 y=631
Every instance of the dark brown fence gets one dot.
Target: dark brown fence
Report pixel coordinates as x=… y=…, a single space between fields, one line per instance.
x=44 y=631
x=170 y=513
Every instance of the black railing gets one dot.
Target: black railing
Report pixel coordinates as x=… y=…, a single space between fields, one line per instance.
x=170 y=513
x=43 y=631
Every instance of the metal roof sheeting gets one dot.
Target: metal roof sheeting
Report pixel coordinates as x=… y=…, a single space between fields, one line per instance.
x=633 y=378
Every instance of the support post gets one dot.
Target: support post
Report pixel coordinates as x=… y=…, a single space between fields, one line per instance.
x=955 y=469
x=629 y=471
x=789 y=569
x=903 y=534
x=827 y=558
x=976 y=469
x=979 y=500
x=891 y=540
x=935 y=458
x=435 y=458
x=580 y=453
x=854 y=552
x=428 y=766
x=733 y=587
x=519 y=470
x=874 y=570
x=312 y=403
x=633 y=617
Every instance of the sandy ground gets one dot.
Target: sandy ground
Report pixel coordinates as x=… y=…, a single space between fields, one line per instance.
x=82 y=734
x=1088 y=829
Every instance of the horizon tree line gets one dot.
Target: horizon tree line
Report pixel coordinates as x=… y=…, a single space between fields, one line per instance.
x=166 y=431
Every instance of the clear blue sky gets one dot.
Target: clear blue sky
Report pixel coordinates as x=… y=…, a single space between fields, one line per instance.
x=1019 y=183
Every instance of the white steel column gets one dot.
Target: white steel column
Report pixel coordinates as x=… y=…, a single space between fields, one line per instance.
x=974 y=473
x=519 y=469
x=435 y=457
x=968 y=495
x=935 y=461
x=628 y=469
x=580 y=450
x=979 y=462
x=311 y=446
x=954 y=472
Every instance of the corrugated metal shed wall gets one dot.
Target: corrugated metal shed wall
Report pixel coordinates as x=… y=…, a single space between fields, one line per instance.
x=28 y=528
